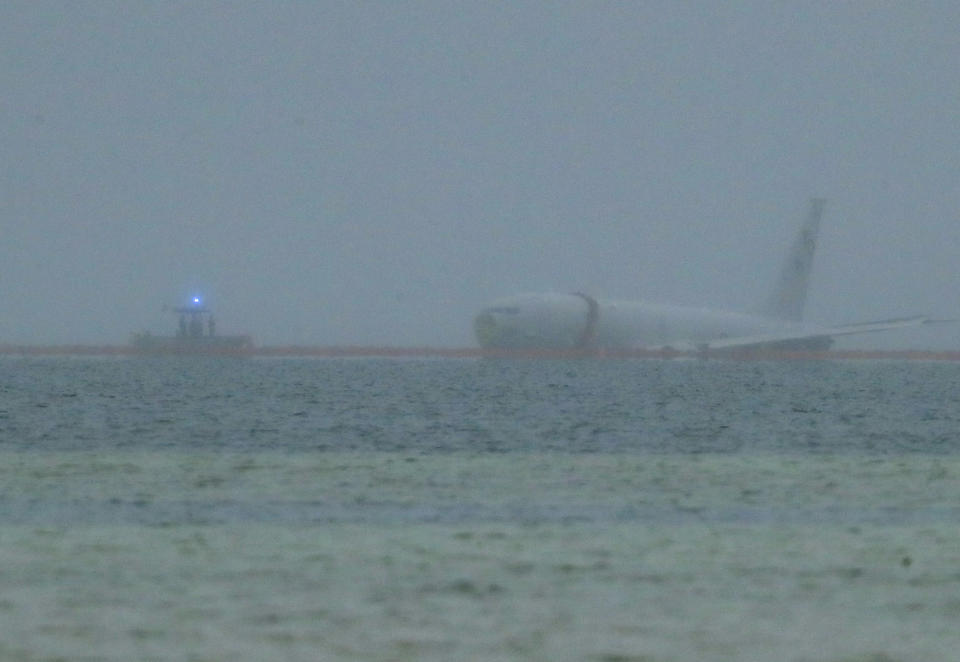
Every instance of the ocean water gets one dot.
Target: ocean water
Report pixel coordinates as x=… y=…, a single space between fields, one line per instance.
x=362 y=509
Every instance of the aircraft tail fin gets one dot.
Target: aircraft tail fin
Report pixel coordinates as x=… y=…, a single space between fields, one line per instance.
x=787 y=300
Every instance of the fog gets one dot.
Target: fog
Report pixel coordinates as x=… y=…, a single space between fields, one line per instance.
x=373 y=173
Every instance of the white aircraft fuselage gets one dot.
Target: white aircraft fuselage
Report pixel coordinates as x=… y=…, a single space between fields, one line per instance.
x=557 y=321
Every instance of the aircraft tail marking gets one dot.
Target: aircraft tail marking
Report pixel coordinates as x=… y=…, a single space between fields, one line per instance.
x=787 y=300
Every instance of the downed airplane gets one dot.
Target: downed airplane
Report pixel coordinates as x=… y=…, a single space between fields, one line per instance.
x=579 y=322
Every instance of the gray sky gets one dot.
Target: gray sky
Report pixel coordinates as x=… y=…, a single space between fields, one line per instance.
x=373 y=173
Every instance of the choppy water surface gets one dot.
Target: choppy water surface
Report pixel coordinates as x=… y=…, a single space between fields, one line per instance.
x=478 y=510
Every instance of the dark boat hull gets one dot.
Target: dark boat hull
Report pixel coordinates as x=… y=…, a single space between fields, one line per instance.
x=150 y=345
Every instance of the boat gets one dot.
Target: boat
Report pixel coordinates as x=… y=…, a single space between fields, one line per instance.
x=196 y=335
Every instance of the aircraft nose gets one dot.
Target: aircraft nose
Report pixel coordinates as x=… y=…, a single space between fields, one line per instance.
x=485 y=328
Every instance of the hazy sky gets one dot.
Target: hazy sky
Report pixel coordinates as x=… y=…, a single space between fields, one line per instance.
x=373 y=173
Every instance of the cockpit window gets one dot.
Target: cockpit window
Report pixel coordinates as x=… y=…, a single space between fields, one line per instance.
x=505 y=310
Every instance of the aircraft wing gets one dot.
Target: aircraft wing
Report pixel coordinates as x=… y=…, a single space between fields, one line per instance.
x=815 y=333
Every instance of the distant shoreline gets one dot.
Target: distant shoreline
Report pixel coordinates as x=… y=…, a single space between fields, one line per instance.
x=336 y=351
